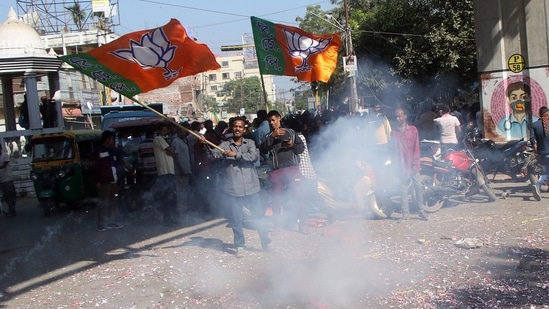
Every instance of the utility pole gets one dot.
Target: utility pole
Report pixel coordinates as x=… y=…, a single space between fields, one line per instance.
x=350 y=53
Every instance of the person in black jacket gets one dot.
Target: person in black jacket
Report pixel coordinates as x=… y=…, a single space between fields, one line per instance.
x=283 y=146
x=539 y=138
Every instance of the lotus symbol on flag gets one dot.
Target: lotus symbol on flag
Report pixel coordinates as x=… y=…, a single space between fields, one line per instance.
x=154 y=51
x=302 y=46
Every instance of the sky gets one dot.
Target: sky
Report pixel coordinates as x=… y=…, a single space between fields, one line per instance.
x=213 y=22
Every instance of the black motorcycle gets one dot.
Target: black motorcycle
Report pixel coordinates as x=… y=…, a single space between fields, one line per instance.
x=515 y=159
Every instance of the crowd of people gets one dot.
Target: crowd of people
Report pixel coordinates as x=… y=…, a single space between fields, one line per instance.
x=215 y=171
x=274 y=162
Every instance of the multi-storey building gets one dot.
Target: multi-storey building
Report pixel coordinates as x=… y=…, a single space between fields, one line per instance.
x=234 y=67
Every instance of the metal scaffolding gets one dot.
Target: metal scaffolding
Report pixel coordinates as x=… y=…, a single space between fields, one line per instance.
x=56 y=16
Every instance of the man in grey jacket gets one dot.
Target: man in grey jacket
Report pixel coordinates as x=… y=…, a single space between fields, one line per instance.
x=241 y=184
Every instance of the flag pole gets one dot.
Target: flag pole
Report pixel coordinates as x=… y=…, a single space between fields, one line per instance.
x=176 y=124
x=264 y=91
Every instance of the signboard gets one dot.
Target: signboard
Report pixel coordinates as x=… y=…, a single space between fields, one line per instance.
x=101 y=6
x=349 y=65
x=516 y=63
x=311 y=102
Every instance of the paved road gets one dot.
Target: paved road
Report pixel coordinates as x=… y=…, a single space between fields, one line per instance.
x=61 y=261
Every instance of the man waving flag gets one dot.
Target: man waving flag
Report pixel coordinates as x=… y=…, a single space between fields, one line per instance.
x=290 y=51
x=145 y=60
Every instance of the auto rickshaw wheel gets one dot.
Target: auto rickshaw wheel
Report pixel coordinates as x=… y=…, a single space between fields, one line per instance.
x=48 y=205
x=74 y=205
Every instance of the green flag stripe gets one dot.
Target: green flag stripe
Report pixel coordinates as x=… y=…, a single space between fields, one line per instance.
x=90 y=66
x=270 y=55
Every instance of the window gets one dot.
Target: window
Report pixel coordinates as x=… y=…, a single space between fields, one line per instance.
x=225 y=76
x=52 y=149
x=237 y=74
x=212 y=77
x=213 y=88
x=224 y=64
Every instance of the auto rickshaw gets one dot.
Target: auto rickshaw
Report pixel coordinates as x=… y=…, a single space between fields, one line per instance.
x=61 y=167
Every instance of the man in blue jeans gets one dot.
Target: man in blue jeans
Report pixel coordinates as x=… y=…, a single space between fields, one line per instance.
x=241 y=184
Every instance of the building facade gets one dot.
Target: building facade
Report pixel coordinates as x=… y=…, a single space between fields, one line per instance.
x=234 y=67
x=513 y=63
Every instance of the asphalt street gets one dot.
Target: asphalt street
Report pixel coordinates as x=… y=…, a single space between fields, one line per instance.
x=62 y=261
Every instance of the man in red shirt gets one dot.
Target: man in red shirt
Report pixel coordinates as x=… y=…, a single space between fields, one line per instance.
x=406 y=155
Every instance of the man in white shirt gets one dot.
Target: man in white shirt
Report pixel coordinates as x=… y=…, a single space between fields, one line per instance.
x=183 y=171
x=449 y=128
x=165 y=183
x=6 y=182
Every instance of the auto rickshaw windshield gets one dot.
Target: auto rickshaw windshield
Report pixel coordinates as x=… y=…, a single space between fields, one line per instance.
x=52 y=149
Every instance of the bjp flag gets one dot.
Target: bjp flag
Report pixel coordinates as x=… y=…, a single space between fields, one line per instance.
x=145 y=60
x=290 y=51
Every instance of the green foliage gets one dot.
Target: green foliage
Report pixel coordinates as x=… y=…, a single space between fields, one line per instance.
x=244 y=93
x=402 y=46
x=209 y=103
x=428 y=42
x=78 y=15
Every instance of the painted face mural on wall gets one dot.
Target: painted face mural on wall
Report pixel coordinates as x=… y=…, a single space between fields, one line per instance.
x=512 y=103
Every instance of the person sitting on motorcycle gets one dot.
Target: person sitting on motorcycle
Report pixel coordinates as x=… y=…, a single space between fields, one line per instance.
x=540 y=141
x=406 y=154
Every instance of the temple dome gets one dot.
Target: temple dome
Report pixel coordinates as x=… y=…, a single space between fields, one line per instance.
x=18 y=39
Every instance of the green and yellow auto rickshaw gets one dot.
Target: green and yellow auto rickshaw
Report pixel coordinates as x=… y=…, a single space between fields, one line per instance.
x=61 y=167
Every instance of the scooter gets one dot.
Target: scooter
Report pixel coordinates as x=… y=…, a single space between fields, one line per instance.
x=364 y=194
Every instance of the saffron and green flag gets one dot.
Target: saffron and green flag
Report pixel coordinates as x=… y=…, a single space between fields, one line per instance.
x=290 y=51
x=145 y=60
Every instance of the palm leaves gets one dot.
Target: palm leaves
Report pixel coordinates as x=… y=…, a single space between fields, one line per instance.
x=78 y=15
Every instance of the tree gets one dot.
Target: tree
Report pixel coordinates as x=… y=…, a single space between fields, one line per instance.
x=78 y=15
x=244 y=93
x=317 y=21
x=408 y=50
x=430 y=43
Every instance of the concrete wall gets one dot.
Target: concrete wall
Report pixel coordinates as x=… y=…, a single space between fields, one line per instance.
x=20 y=168
x=505 y=28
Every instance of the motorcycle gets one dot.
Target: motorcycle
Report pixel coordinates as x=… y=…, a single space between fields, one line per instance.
x=515 y=159
x=457 y=172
